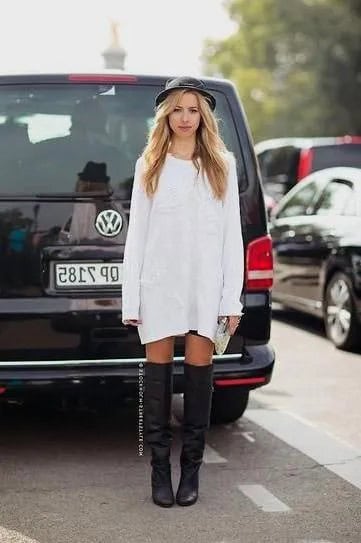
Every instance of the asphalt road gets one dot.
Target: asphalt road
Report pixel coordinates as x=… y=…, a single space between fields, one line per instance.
x=287 y=472
x=312 y=378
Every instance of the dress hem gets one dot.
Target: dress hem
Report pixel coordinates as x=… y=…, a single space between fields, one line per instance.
x=201 y=332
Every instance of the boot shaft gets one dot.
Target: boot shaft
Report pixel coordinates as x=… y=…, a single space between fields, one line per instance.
x=198 y=390
x=158 y=392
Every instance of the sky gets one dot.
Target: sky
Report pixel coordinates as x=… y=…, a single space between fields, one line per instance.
x=160 y=36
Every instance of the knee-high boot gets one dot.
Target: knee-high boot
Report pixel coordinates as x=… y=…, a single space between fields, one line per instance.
x=157 y=413
x=198 y=391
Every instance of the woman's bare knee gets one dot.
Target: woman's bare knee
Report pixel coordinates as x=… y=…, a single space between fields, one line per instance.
x=160 y=351
x=198 y=350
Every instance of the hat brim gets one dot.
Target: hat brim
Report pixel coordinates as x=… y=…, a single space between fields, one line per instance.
x=209 y=97
x=100 y=180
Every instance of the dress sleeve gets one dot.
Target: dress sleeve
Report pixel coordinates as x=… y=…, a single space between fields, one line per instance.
x=233 y=249
x=140 y=206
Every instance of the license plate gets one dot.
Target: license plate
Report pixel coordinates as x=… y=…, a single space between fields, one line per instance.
x=76 y=274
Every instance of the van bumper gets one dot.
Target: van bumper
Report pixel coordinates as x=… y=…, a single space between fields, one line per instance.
x=251 y=369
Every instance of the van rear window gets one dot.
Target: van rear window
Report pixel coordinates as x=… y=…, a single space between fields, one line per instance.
x=49 y=132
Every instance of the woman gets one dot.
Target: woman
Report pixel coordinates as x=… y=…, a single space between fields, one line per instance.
x=183 y=270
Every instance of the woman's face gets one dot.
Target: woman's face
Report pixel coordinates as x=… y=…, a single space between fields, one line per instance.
x=185 y=118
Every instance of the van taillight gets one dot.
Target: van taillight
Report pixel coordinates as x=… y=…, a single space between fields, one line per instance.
x=259 y=264
x=305 y=163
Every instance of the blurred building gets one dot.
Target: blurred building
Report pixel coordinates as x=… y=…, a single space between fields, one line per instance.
x=114 y=55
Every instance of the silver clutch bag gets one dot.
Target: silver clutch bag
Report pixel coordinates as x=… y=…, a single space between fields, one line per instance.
x=222 y=336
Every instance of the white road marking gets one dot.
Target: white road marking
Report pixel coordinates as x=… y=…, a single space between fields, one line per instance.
x=248 y=436
x=212 y=457
x=11 y=536
x=263 y=498
x=325 y=449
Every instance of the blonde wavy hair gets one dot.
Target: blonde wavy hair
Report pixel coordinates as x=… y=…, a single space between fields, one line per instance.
x=210 y=152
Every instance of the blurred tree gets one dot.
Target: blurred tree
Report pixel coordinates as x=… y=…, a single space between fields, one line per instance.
x=296 y=64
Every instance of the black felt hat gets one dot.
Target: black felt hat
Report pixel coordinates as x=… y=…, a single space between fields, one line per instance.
x=187 y=83
x=95 y=172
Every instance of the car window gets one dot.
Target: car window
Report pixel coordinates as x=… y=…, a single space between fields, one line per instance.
x=336 y=198
x=48 y=133
x=350 y=208
x=278 y=170
x=277 y=162
x=300 y=202
x=328 y=156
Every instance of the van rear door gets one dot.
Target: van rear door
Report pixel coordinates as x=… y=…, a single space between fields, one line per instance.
x=62 y=234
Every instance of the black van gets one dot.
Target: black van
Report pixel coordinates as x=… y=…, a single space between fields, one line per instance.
x=61 y=244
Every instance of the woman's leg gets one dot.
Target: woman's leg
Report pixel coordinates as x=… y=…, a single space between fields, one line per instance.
x=160 y=351
x=198 y=388
x=157 y=414
x=198 y=349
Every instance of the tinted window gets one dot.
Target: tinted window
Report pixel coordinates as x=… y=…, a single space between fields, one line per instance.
x=335 y=198
x=348 y=154
x=49 y=132
x=278 y=168
x=300 y=202
x=278 y=162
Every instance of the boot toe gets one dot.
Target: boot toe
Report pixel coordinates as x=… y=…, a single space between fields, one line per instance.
x=187 y=492
x=187 y=497
x=162 y=489
x=164 y=499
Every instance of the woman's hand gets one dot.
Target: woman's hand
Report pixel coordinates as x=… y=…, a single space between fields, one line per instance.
x=132 y=322
x=233 y=322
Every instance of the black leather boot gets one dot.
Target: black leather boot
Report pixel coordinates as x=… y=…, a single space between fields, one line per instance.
x=158 y=391
x=198 y=389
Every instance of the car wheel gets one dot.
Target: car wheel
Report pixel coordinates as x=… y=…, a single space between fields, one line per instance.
x=340 y=317
x=228 y=404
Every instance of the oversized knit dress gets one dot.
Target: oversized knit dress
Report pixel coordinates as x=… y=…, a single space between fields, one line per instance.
x=183 y=258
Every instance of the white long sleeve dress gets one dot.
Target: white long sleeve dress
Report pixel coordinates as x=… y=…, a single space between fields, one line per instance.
x=183 y=257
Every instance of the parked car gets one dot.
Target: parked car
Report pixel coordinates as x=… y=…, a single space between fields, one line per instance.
x=316 y=232
x=61 y=248
x=286 y=161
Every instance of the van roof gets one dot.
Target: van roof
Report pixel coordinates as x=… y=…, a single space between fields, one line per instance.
x=101 y=75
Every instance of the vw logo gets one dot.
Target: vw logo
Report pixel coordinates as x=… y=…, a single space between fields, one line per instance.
x=109 y=223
